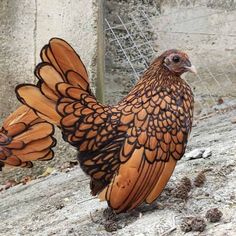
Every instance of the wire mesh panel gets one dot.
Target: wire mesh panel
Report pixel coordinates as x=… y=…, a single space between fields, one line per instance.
x=204 y=29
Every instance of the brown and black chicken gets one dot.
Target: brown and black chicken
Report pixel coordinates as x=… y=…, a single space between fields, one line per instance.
x=129 y=150
x=24 y=137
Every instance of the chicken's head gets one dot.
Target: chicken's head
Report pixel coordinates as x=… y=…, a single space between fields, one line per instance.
x=177 y=62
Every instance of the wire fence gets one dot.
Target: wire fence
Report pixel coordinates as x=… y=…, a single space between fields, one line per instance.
x=206 y=31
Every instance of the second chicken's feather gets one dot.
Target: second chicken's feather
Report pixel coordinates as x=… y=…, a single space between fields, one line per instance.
x=24 y=137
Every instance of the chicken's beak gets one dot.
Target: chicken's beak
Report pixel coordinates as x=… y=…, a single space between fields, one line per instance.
x=192 y=69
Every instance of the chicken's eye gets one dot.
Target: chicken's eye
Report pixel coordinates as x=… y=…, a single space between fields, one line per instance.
x=176 y=59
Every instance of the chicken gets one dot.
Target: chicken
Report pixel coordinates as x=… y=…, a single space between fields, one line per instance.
x=24 y=137
x=129 y=150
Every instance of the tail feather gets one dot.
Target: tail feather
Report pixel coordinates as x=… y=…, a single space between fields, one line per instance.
x=25 y=137
x=36 y=132
x=63 y=79
x=48 y=156
x=66 y=58
x=19 y=114
x=50 y=59
x=43 y=54
x=33 y=156
x=63 y=96
x=49 y=75
x=75 y=79
x=15 y=144
x=50 y=94
x=16 y=128
x=35 y=146
x=67 y=90
x=35 y=99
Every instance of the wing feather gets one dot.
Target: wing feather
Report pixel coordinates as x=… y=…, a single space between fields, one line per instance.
x=164 y=177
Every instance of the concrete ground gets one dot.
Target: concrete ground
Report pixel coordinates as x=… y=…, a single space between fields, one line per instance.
x=60 y=204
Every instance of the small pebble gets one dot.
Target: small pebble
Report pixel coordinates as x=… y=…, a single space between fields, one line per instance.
x=26 y=179
x=214 y=215
x=198 y=224
x=109 y=214
x=207 y=153
x=10 y=183
x=180 y=192
x=59 y=205
x=233 y=120
x=182 y=189
x=194 y=154
x=186 y=224
x=110 y=226
x=200 y=179
x=187 y=183
x=220 y=101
